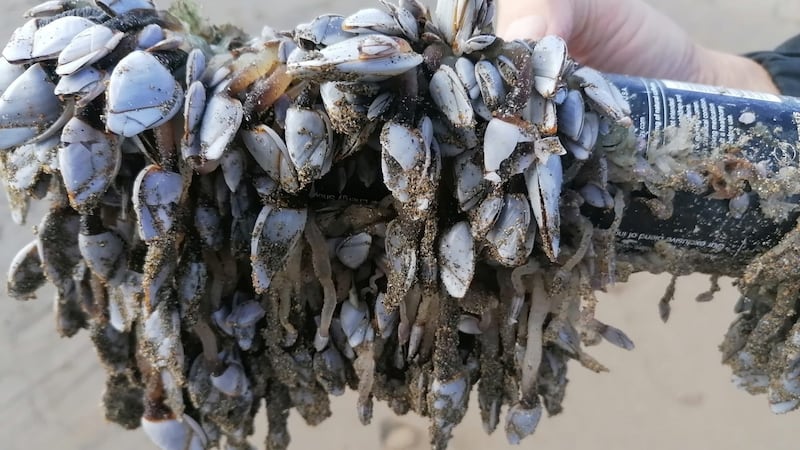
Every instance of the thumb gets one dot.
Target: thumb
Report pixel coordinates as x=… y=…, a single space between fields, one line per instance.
x=528 y=27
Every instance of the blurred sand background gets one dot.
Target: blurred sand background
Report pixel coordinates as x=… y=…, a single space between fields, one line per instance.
x=670 y=393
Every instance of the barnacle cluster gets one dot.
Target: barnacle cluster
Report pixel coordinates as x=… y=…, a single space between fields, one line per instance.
x=397 y=201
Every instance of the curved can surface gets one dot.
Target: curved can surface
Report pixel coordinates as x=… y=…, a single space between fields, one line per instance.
x=710 y=121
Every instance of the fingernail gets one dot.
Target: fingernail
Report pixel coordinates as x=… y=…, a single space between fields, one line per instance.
x=528 y=27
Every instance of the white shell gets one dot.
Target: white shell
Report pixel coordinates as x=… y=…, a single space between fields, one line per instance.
x=8 y=73
x=353 y=250
x=123 y=6
x=595 y=195
x=469 y=324
x=739 y=205
x=241 y=322
x=195 y=66
x=27 y=161
x=481 y=110
x=549 y=58
x=404 y=144
x=544 y=191
x=103 y=253
x=510 y=238
x=616 y=337
x=89 y=162
x=28 y=106
x=345 y=110
x=232 y=381
x=582 y=147
x=408 y=23
x=451 y=97
x=172 y=434
x=355 y=322
x=407 y=161
x=49 y=40
x=371 y=57
x=88 y=47
x=371 y=20
x=478 y=43
x=141 y=94
x=541 y=112
x=156 y=193
x=232 y=164
x=385 y=320
x=521 y=422
x=162 y=332
x=604 y=95
x=171 y=41
x=490 y=83
x=465 y=69
x=190 y=283
x=48 y=8
x=149 y=36
x=270 y=152
x=221 y=119
x=124 y=302
x=380 y=105
x=25 y=274
x=276 y=233
x=309 y=142
x=470 y=185
x=329 y=369
x=456 y=21
x=483 y=217
x=402 y=258
x=193 y=108
x=590 y=131
x=448 y=403
x=571 y=115
x=325 y=30
x=457 y=259
x=85 y=84
x=452 y=140
x=500 y=140
x=546 y=147
x=20 y=45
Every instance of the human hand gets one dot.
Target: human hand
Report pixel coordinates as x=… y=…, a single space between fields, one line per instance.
x=630 y=37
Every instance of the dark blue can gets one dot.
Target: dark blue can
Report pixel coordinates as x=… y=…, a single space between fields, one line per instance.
x=762 y=129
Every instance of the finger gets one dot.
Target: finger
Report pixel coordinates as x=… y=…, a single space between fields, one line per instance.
x=509 y=11
x=528 y=27
x=533 y=19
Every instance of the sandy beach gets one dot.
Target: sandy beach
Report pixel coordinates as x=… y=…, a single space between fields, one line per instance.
x=671 y=392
